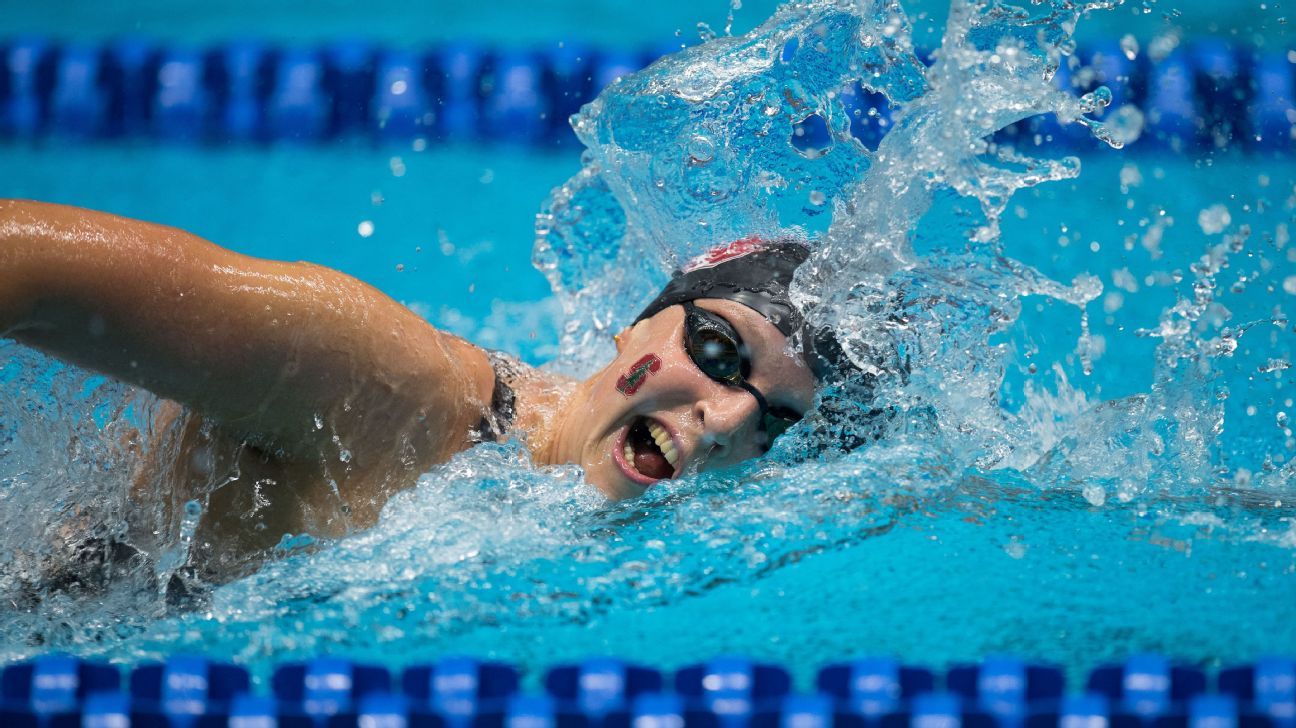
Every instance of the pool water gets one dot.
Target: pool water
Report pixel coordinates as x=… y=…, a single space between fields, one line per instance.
x=1095 y=529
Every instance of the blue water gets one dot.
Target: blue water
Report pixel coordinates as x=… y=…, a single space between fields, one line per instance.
x=613 y=22
x=1102 y=534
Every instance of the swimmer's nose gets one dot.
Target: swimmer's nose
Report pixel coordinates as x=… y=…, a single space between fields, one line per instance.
x=724 y=415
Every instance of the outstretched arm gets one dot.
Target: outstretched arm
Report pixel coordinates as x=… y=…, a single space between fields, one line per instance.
x=290 y=355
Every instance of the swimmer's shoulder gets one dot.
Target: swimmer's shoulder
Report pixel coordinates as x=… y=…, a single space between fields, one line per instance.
x=296 y=356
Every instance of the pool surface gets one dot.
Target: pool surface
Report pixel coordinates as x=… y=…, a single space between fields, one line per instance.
x=1096 y=463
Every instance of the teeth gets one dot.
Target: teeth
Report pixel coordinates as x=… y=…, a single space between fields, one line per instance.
x=629 y=454
x=672 y=456
x=663 y=440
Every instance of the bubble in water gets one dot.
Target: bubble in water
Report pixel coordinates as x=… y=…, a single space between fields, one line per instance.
x=1129 y=46
x=700 y=149
x=365 y=228
x=1125 y=125
x=1130 y=177
x=817 y=198
x=1289 y=285
x=1163 y=45
x=1214 y=219
x=1274 y=365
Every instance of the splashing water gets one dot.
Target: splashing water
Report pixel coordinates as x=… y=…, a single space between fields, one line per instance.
x=972 y=465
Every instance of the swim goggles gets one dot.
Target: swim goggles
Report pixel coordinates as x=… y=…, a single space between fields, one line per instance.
x=719 y=352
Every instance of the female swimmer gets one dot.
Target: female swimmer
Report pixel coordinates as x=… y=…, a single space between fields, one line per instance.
x=298 y=399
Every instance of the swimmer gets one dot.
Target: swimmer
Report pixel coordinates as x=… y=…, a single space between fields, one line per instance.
x=297 y=399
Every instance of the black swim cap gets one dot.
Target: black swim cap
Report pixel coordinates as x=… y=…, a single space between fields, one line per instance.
x=756 y=273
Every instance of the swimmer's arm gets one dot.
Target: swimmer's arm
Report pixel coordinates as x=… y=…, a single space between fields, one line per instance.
x=290 y=354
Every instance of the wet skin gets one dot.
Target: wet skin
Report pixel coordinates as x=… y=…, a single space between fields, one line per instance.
x=310 y=397
x=710 y=423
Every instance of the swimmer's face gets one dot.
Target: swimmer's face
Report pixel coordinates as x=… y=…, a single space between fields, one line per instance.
x=653 y=414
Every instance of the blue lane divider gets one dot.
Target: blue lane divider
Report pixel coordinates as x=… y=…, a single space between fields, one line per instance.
x=938 y=710
x=460 y=688
x=570 y=84
x=1172 y=106
x=402 y=108
x=181 y=104
x=1072 y=711
x=1266 y=688
x=185 y=688
x=26 y=86
x=733 y=687
x=299 y=107
x=240 y=72
x=661 y=710
x=79 y=103
x=54 y=685
x=457 y=89
x=804 y=711
x=350 y=74
x=112 y=710
x=327 y=686
x=1207 y=95
x=601 y=685
x=1005 y=687
x=872 y=687
x=132 y=73
x=1145 y=691
x=1148 y=686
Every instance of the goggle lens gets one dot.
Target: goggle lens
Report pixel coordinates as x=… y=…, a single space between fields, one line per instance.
x=718 y=351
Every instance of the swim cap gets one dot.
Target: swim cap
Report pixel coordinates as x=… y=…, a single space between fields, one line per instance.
x=756 y=273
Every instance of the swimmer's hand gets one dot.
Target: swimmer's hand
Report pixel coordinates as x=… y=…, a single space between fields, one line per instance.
x=295 y=357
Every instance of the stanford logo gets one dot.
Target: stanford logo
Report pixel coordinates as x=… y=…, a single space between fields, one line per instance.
x=632 y=380
x=716 y=256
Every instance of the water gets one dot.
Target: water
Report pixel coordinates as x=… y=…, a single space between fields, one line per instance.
x=1087 y=455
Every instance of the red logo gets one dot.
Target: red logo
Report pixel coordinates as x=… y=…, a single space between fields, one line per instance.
x=632 y=380
x=716 y=256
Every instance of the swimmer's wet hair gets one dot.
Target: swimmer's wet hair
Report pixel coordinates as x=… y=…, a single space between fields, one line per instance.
x=756 y=273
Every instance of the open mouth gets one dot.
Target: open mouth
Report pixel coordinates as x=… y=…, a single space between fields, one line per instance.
x=649 y=450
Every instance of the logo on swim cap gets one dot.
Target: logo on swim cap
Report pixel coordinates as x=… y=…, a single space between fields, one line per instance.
x=718 y=255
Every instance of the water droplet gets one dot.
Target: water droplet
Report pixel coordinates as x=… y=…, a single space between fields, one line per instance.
x=365 y=228
x=817 y=198
x=1095 y=494
x=1214 y=219
x=1125 y=125
x=1129 y=46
